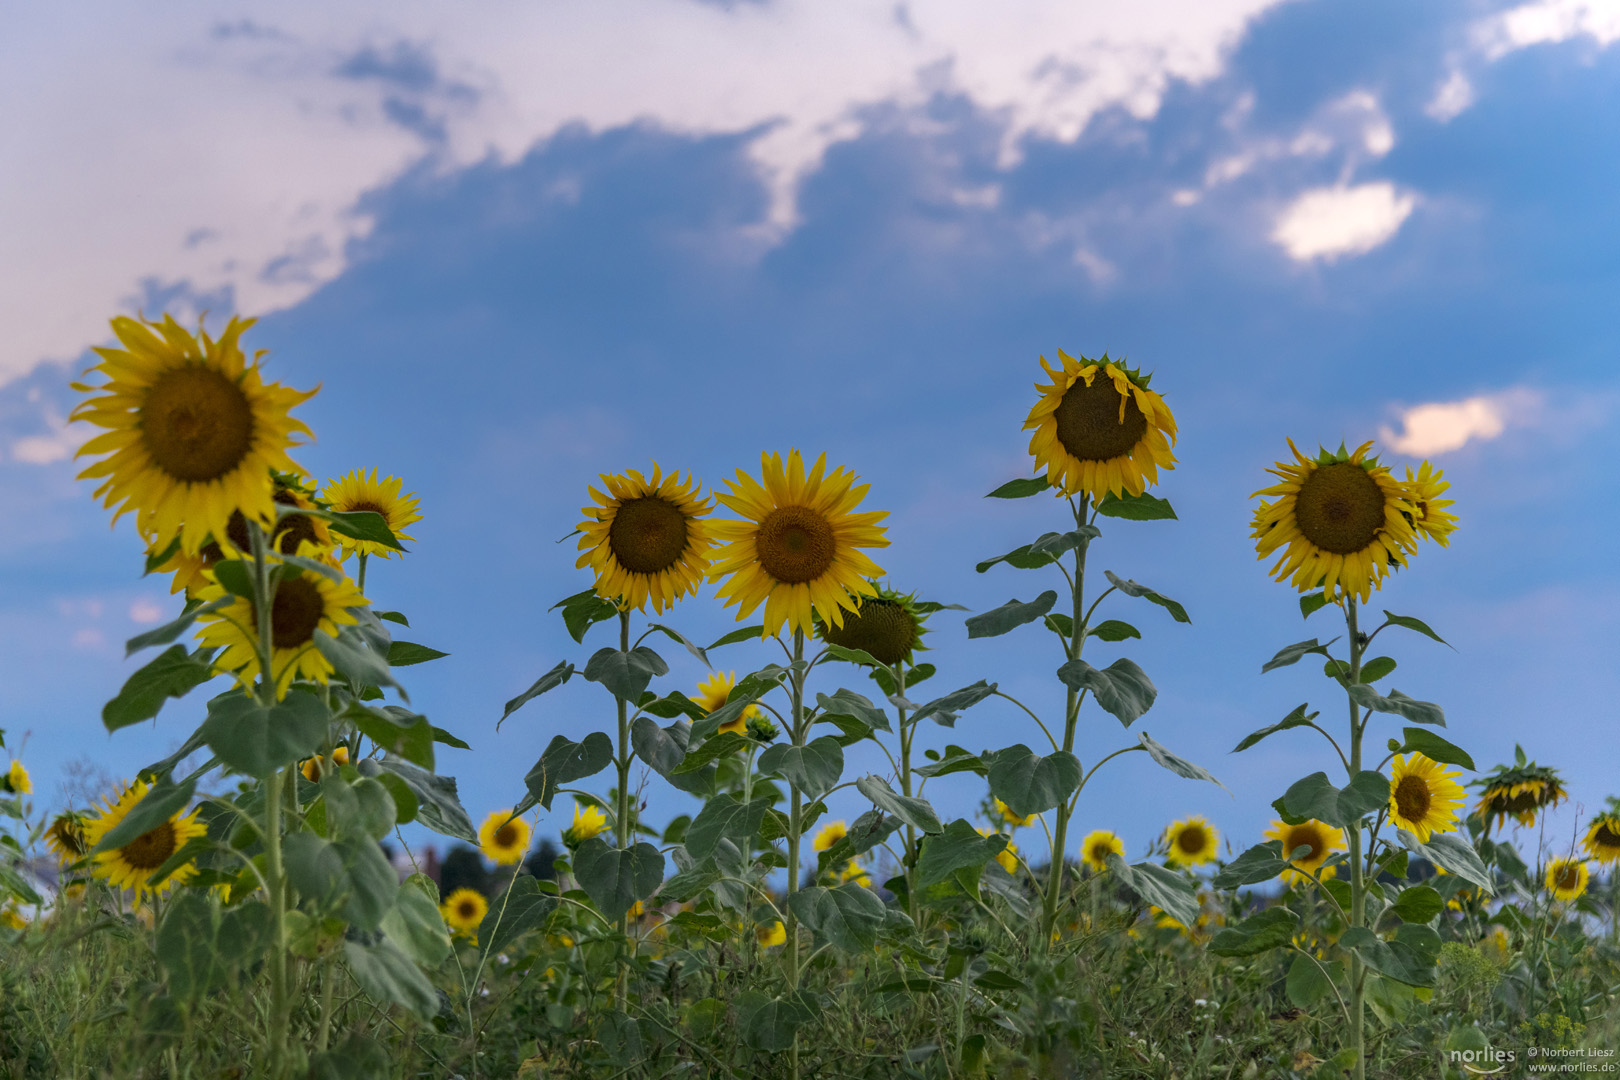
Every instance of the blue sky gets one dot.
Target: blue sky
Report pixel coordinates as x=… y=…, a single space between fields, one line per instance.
x=521 y=253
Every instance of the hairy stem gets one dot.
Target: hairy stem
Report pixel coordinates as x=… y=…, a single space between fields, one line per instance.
x=1358 y=878
x=1071 y=716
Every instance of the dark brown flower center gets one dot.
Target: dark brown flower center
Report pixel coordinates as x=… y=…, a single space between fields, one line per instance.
x=295 y=613
x=1192 y=840
x=362 y=506
x=1101 y=850
x=883 y=628
x=69 y=835
x=1569 y=876
x=150 y=850
x=290 y=531
x=467 y=909
x=1607 y=835
x=1412 y=798
x=506 y=835
x=1340 y=508
x=1301 y=836
x=648 y=535
x=795 y=544
x=1088 y=420
x=197 y=423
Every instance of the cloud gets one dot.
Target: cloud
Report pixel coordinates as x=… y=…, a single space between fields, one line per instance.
x=1326 y=223
x=1451 y=98
x=1548 y=22
x=58 y=445
x=228 y=163
x=1438 y=427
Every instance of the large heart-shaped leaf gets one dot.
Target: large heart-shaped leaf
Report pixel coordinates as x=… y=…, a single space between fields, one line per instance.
x=613 y=878
x=1031 y=784
x=1010 y=616
x=1121 y=688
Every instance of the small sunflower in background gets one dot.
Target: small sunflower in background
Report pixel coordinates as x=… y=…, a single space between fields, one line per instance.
x=504 y=838
x=588 y=821
x=357 y=491
x=1099 y=429
x=646 y=539
x=464 y=910
x=314 y=768
x=888 y=626
x=712 y=693
x=1518 y=791
x=1429 y=515
x=853 y=873
x=797 y=548
x=190 y=571
x=1567 y=878
x=1423 y=797
x=305 y=601
x=194 y=431
x=293 y=534
x=1007 y=857
x=830 y=834
x=1191 y=842
x=1343 y=518
x=66 y=838
x=133 y=865
x=769 y=937
x=1321 y=840
x=1004 y=812
x=1097 y=846
x=16 y=780
x=1602 y=839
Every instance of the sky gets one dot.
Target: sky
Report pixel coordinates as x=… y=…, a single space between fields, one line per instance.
x=521 y=249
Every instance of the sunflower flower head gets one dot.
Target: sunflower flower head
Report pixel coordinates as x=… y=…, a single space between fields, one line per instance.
x=193 y=431
x=1518 y=791
x=588 y=821
x=1567 y=878
x=1423 y=797
x=1602 y=839
x=1340 y=519
x=357 y=491
x=830 y=834
x=135 y=865
x=15 y=779
x=1098 y=429
x=1314 y=841
x=712 y=693
x=797 y=546
x=305 y=601
x=1007 y=857
x=504 y=838
x=65 y=837
x=771 y=936
x=888 y=626
x=1004 y=812
x=1424 y=491
x=463 y=911
x=646 y=539
x=316 y=767
x=1097 y=846
x=1191 y=842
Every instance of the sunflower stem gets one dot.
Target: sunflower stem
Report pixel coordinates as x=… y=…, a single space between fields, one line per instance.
x=360 y=580
x=621 y=987
x=795 y=828
x=1071 y=716
x=907 y=866
x=1358 y=881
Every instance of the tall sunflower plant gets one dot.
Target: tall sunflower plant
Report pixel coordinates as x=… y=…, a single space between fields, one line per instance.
x=1339 y=524
x=287 y=870
x=1101 y=435
x=17 y=837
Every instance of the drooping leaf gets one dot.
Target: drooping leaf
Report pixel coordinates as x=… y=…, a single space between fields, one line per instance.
x=1308 y=984
x=1419 y=712
x=1171 y=892
x=749 y=689
x=1010 y=616
x=848 y=703
x=957 y=852
x=715 y=747
x=565 y=761
x=415 y=925
x=349 y=653
x=614 y=879
x=406 y=653
x=358 y=525
x=1294 y=653
x=160 y=803
x=1298 y=718
x=1031 y=784
x=1409 y=958
x=1414 y=624
x=348 y=876
x=691 y=647
x=1113 y=630
x=1020 y=489
x=1122 y=688
x=1131 y=588
x=584 y=610
x=955 y=759
x=1316 y=797
x=255 y=740
x=770 y=1024
x=549 y=681
x=745 y=633
x=724 y=817
x=1142 y=507
x=1435 y=748
x=1271 y=928
x=848 y=916
x=398 y=731
x=1452 y=854
x=813 y=768
x=523 y=908
x=170 y=631
x=173 y=674
x=1259 y=863
x=1056 y=544
x=1418 y=904
x=625 y=673
x=944 y=710
x=439 y=808
x=1310 y=603
x=387 y=975
x=1019 y=557
x=1176 y=764
x=913 y=811
x=868 y=831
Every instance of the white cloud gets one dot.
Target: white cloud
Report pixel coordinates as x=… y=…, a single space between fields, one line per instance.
x=1547 y=22
x=1451 y=98
x=204 y=154
x=58 y=445
x=1438 y=427
x=145 y=610
x=1326 y=223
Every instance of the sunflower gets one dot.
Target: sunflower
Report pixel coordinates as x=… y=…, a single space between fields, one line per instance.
x=294 y=534
x=1007 y=856
x=315 y=768
x=853 y=872
x=1602 y=840
x=357 y=491
x=190 y=570
x=888 y=626
x=589 y=821
x=830 y=834
x=504 y=838
x=1191 y=842
x=65 y=837
x=796 y=550
x=1099 y=435
x=10 y=919
x=1097 y=846
x=1497 y=943
x=15 y=779
x=646 y=539
x=712 y=693
x=1011 y=818
x=463 y=910
x=1567 y=878
x=1423 y=797
x=771 y=936
x=1320 y=838
x=1518 y=792
x=132 y=866
x=1429 y=515
x=193 y=430
x=305 y=601
x=1344 y=520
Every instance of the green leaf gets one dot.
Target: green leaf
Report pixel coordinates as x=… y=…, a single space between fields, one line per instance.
x=1031 y=784
x=944 y=710
x=1056 y=544
x=1418 y=904
x=1131 y=588
x=198 y=945
x=1259 y=863
x=1310 y=603
x=1307 y=985
x=174 y=674
x=749 y=689
x=1377 y=668
x=1113 y=630
x=406 y=804
x=255 y=740
x=1294 y=653
x=1409 y=959
x=615 y=879
x=914 y=812
x=1122 y=688
x=1142 y=507
x=185 y=750
x=959 y=853
x=394 y=617
x=415 y=925
x=1413 y=624
x=1452 y=854
x=724 y=817
x=853 y=656
x=849 y=916
x=236 y=575
x=549 y=681
x=169 y=631
x=524 y=908
x=855 y=706
x=359 y=525
x=442 y=736
x=1176 y=764
x=1298 y=718
x=1419 y=712
x=584 y=610
x=406 y=653
x=664 y=748
x=565 y=761
x=771 y=1024
x=1173 y=893
x=349 y=874
x=155 y=559
x=1434 y=748
x=1020 y=489
x=1263 y=931
x=1009 y=616
x=745 y=633
x=397 y=731
x=1020 y=557
x=625 y=674
x=671 y=705
x=162 y=802
x=1316 y=797
x=675 y=635
x=869 y=830
x=915 y=675
x=440 y=809
x=349 y=653
x=387 y=975
x=955 y=760
x=814 y=768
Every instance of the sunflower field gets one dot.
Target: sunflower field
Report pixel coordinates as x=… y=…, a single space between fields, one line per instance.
x=233 y=910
